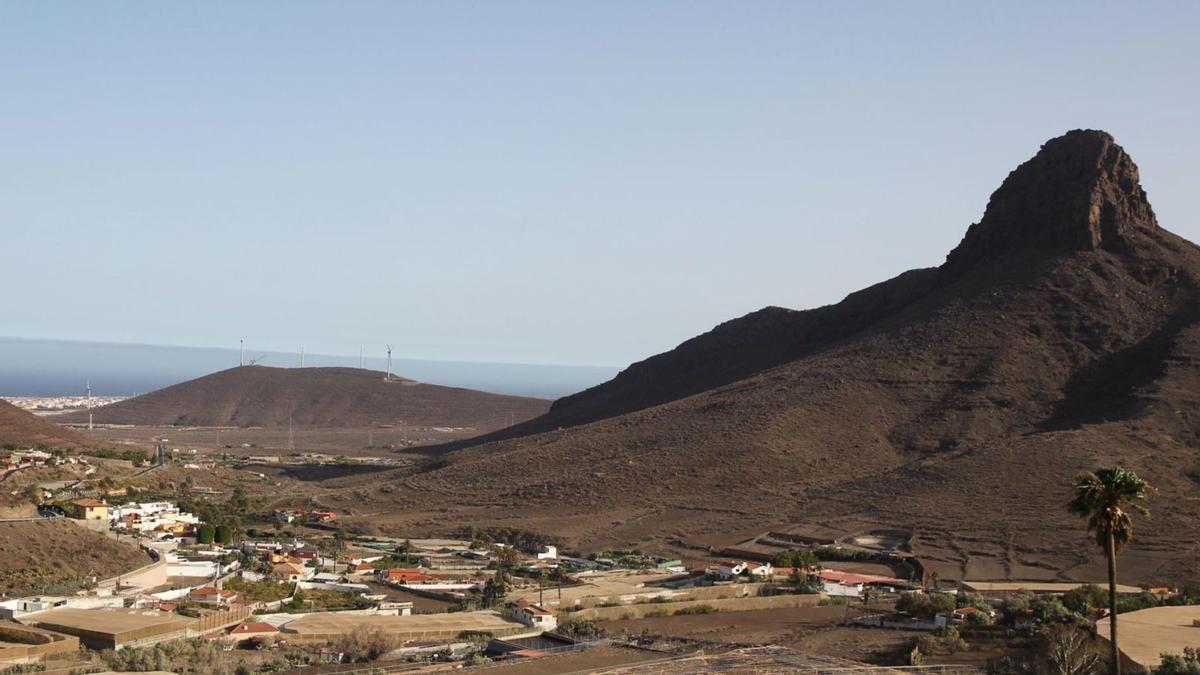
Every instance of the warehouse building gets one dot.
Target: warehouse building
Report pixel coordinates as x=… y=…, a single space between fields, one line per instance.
x=112 y=628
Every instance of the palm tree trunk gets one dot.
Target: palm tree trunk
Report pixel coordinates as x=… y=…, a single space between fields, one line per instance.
x=1114 y=651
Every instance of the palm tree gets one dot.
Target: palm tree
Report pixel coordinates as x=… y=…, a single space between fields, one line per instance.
x=1107 y=498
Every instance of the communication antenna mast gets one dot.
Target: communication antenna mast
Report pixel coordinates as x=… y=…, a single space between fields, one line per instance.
x=88 y=386
x=241 y=352
x=90 y=420
x=388 y=376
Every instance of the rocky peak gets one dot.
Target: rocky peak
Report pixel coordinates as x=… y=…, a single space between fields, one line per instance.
x=1080 y=192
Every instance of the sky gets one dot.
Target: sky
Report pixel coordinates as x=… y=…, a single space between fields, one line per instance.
x=535 y=182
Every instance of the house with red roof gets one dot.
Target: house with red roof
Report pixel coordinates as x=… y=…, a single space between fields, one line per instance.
x=209 y=595
x=835 y=582
x=252 y=630
x=408 y=576
x=360 y=570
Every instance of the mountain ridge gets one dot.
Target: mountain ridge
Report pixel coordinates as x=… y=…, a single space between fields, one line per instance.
x=955 y=403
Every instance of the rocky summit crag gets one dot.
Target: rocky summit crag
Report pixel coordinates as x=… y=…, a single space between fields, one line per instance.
x=1080 y=192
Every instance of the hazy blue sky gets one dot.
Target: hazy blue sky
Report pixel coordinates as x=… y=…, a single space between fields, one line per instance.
x=557 y=182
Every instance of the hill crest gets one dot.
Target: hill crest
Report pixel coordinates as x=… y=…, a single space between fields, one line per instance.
x=263 y=396
x=22 y=428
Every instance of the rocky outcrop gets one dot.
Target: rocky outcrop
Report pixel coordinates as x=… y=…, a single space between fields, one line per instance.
x=1080 y=192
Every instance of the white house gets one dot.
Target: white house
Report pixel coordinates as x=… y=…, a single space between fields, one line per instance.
x=533 y=615
x=760 y=570
x=548 y=553
x=728 y=569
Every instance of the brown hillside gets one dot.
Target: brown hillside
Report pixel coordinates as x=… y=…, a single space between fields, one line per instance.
x=56 y=553
x=259 y=396
x=21 y=428
x=955 y=403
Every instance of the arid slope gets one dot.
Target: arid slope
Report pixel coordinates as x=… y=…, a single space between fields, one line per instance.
x=20 y=428
x=956 y=403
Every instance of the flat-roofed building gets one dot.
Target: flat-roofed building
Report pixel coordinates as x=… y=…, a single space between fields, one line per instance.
x=1145 y=635
x=113 y=628
x=1000 y=588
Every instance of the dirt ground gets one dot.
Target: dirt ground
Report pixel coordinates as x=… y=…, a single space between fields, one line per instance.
x=353 y=442
x=809 y=629
x=578 y=662
x=421 y=604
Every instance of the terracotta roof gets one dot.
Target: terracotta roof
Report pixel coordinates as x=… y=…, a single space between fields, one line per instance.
x=88 y=502
x=851 y=579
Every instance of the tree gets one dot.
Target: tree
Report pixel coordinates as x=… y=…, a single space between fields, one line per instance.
x=496 y=588
x=796 y=558
x=1175 y=664
x=507 y=557
x=205 y=533
x=404 y=550
x=925 y=605
x=1085 y=599
x=1067 y=650
x=1108 y=497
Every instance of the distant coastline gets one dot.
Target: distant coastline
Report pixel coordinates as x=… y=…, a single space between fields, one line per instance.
x=41 y=367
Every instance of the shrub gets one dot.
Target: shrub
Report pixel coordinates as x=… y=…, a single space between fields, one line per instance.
x=943 y=640
x=1085 y=599
x=581 y=629
x=365 y=645
x=980 y=618
x=695 y=609
x=1050 y=610
x=1187 y=663
x=193 y=655
x=925 y=605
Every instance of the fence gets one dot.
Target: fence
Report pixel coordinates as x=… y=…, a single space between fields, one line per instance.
x=220 y=619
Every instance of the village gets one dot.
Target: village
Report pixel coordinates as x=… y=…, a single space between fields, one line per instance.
x=305 y=592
